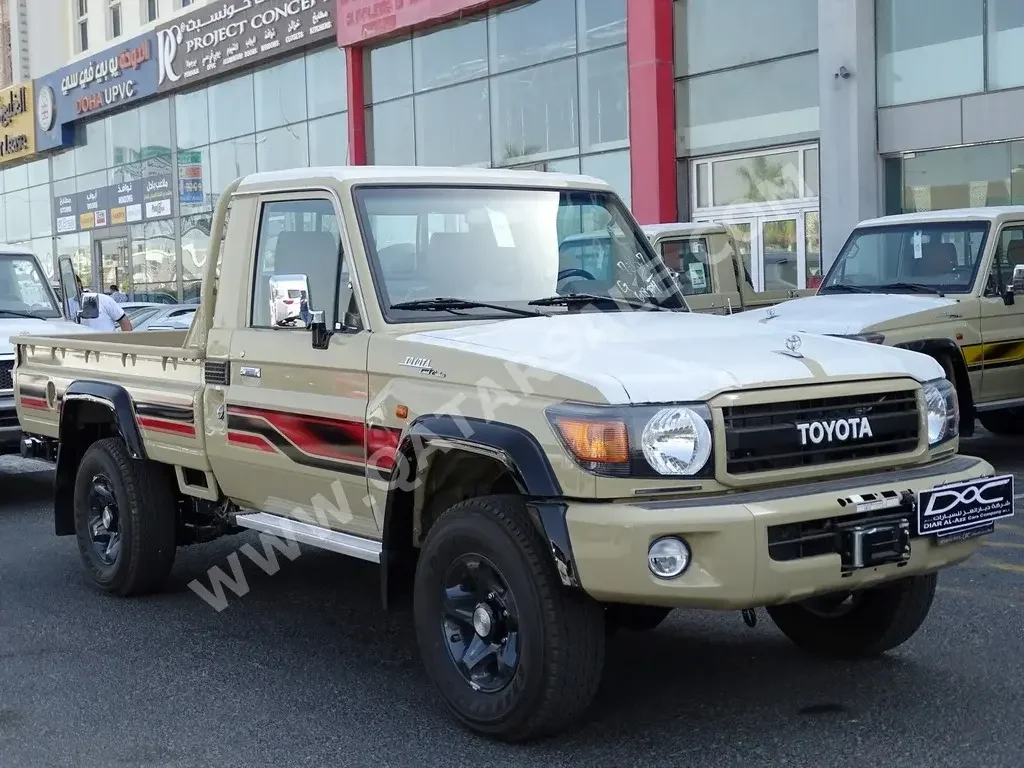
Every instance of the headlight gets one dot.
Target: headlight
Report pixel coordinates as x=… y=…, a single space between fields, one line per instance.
x=636 y=441
x=676 y=441
x=870 y=338
x=942 y=410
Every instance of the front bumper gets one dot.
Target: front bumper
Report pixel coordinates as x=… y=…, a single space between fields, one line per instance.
x=728 y=536
x=10 y=428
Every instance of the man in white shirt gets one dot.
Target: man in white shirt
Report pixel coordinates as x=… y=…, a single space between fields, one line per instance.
x=111 y=314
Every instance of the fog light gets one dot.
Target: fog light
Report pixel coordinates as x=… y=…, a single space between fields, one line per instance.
x=668 y=557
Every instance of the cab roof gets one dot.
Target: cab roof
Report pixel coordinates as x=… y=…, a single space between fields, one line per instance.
x=418 y=174
x=682 y=228
x=994 y=214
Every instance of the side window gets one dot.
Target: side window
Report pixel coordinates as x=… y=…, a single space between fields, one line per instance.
x=1009 y=255
x=688 y=259
x=298 y=264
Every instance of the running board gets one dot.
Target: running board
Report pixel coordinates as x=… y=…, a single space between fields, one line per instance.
x=314 y=535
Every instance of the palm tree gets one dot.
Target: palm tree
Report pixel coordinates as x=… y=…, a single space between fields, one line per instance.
x=766 y=180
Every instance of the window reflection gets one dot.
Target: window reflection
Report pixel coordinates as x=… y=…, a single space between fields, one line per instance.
x=193 y=120
x=41 y=211
x=194 y=182
x=155 y=128
x=17 y=212
x=535 y=112
x=231 y=108
x=91 y=153
x=195 y=243
x=467 y=141
x=602 y=23
x=605 y=118
x=610 y=167
x=450 y=55
x=328 y=140
x=15 y=177
x=390 y=71
x=530 y=34
x=280 y=94
x=154 y=265
x=282 y=148
x=390 y=136
x=1005 y=43
x=231 y=159
x=326 y=82
x=123 y=138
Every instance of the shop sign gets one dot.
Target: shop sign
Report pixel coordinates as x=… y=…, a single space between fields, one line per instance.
x=106 y=81
x=17 y=125
x=362 y=20
x=190 y=178
x=221 y=37
x=130 y=202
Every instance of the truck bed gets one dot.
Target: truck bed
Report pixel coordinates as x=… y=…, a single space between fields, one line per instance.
x=162 y=377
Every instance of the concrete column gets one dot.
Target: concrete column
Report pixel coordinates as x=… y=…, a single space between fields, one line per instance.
x=850 y=185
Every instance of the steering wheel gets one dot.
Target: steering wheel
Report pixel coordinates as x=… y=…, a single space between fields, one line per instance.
x=575 y=273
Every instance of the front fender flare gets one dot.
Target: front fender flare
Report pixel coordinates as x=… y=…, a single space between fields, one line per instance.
x=945 y=347
x=514 y=447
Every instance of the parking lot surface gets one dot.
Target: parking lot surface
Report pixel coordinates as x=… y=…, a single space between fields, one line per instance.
x=305 y=669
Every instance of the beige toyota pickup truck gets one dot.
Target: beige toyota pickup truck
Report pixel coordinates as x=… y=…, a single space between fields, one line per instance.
x=535 y=457
x=702 y=257
x=944 y=283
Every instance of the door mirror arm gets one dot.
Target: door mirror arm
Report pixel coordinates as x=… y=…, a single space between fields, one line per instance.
x=319 y=332
x=1009 y=296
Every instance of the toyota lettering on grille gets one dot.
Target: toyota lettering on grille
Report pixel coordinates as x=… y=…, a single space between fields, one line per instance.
x=834 y=430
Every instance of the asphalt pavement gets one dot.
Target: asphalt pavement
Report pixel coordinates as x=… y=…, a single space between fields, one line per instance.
x=305 y=670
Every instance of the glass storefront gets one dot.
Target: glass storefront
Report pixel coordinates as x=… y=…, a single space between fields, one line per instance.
x=962 y=177
x=966 y=46
x=290 y=114
x=769 y=200
x=540 y=86
x=739 y=92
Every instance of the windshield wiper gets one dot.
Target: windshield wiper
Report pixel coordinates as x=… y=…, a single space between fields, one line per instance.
x=845 y=288
x=16 y=313
x=448 y=303
x=586 y=298
x=918 y=287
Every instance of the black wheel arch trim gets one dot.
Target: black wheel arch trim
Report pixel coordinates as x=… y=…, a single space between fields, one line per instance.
x=69 y=452
x=940 y=347
x=517 y=449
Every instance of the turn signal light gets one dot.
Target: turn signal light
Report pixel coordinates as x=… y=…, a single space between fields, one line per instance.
x=600 y=441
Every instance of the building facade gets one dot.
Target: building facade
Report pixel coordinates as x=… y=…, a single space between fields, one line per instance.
x=834 y=111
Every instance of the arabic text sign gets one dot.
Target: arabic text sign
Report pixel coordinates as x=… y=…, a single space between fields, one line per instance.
x=220 y=37
x=363 y=20
x=129 y=202
x=17 y=123
x=89 y=87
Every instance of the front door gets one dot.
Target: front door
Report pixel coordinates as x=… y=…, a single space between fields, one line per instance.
x=1002 y=324
x=296 y=439
x=114 y=264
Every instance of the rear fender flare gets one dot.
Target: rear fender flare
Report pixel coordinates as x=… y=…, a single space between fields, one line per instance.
x=71 y=447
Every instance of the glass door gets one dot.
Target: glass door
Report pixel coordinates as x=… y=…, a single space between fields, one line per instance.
x=781 y=253
x=114 y=265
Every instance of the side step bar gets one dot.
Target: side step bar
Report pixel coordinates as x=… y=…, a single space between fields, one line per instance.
x=314 y=535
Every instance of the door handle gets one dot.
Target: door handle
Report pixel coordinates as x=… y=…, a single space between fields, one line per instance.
x=250 y=372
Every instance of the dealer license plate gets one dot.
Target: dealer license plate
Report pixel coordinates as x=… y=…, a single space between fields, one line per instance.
x=951 y=511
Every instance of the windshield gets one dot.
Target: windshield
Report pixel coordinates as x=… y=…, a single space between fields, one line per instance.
x=506 y=246
x=23 y=287
x=942 y=256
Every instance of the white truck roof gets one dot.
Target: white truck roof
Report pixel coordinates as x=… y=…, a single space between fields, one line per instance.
x=996 y=214
x=423 y=174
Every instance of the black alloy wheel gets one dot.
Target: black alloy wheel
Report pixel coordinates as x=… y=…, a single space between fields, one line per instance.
x=480 y=623
x=104 y=520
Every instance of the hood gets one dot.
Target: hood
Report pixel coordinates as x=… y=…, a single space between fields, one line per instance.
x=16 y=326
x=657 y=357
x=845 y=313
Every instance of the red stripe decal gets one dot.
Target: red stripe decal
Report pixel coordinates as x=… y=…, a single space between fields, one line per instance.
x=39 y=403
x=162 y=425
x=245 y=440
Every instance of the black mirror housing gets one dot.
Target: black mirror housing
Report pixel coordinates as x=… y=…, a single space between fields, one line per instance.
x=319 y=332
x=1009 y=297
x=90 y=308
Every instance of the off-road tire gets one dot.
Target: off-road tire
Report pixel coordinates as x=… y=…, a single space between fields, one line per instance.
x=145 y=500
x=1005 y=421
x=635 y=618
x=884 y=618
x=561 y=653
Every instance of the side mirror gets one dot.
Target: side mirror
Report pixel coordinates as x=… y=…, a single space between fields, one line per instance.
x=289 y=301
x=321 y=334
